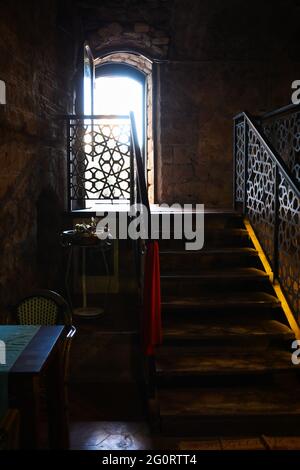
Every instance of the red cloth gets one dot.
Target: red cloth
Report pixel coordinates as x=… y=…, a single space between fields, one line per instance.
x=152 y=331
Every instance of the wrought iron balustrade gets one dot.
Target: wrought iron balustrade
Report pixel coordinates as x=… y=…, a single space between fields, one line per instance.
x=105 y=164
x=266 y=185
x=99 y=159
x=282 y=128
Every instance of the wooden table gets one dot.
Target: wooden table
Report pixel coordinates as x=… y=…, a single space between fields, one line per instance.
x=41 y=358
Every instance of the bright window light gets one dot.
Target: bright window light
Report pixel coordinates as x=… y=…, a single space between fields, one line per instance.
x=119 y=95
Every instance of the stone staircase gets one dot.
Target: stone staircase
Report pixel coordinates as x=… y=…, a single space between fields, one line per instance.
x=225 y=363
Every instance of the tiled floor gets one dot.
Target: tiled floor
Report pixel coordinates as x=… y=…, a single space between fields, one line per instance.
x=116 y=435
x=117 y=422
x=110 y=435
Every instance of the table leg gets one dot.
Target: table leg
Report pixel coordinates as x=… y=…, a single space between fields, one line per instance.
x=83 y=274
x=58 y=426
x=67 y=275
x=25 y=391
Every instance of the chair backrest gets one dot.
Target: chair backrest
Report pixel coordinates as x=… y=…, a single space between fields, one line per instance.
x=44 y=307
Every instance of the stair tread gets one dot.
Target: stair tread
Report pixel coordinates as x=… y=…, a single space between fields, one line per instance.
x=221 y=328
x=232 y=273
x=178 y=361
x=159 y=209
x=218 y=401
x=218 y=231
x=228 y=230
x=213 y=251
x=244 y=299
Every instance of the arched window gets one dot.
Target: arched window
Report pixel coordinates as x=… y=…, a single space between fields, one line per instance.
x=119 y=89
x=113 y=85
x=139 y=68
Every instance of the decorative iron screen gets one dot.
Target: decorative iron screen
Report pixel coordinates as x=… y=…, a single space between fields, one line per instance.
x=272 y=197
x=284 y=133
x=240 y=160
x=99 y=152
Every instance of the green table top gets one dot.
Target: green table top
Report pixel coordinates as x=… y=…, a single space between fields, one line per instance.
x=13 y=341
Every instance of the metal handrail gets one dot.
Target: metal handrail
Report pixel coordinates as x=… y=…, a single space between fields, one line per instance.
x=290 y=108
x=140 y=183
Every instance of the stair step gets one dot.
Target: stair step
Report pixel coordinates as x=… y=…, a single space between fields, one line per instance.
x=213 y=239
x=231 y=237
x=213 y=219
x=222 y=302
x=236 y=279
x=214 y=251
x=220 y=274
x=187 y=362
x=219 y=411
x=243 y=333
x=194 y=261
x=223 y=220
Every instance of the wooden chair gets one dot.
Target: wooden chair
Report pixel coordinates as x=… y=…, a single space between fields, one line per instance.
x=46 y=307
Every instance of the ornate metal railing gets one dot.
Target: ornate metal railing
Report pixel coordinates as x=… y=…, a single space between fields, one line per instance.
x=282 y=128
x=105 y=161
x=266 y=187
x=99 y=159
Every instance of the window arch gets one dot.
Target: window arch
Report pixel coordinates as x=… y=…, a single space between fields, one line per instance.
x=93 y=175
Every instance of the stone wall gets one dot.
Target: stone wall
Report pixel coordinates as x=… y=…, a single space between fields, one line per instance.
x=37 y=58
x=219 y=57
x=224 y=57
x=139 y=36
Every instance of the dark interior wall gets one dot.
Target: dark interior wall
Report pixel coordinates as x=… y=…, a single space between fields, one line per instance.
x=221 y=57
x=37 y=59
x=224 y=57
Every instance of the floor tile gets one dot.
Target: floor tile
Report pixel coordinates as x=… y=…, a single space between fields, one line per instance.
x=122 y=435
x=110 y=435
x=84 y=434
x=282 y=443
x=251 y=443
x=117 y=442
x=209 y=444
x=120 y=427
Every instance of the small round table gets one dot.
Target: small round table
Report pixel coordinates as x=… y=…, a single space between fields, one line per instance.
x=83 y=240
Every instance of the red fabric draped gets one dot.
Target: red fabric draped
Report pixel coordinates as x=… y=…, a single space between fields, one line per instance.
x=152 y=331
